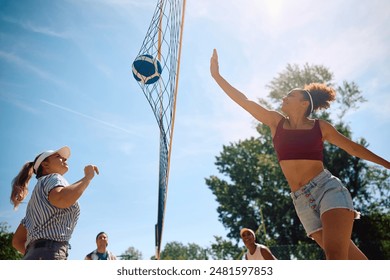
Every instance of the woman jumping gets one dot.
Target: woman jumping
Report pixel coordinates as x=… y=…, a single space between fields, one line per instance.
x=323 y=204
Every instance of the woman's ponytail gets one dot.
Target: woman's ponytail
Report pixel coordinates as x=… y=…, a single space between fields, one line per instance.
x=20 y=184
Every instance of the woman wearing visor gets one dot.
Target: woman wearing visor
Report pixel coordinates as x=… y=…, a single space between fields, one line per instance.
x=52 y=211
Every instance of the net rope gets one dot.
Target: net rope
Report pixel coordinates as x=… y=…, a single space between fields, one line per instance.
x=163 y=42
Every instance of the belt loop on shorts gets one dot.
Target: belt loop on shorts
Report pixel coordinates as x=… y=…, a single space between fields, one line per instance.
x=312 y=183
x=303 y=189
x=321 y=177
x=299 y=192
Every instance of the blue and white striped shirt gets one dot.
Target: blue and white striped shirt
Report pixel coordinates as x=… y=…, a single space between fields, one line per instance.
x=45 y=221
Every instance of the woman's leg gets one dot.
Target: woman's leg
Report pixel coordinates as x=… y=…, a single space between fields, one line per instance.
x=335 y=237
x=336 y=233
x=354 y=253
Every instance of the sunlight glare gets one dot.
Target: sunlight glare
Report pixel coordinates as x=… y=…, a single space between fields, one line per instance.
x=274 y=8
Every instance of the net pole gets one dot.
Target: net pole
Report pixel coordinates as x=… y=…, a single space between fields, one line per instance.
x=176 y=90
x=160 y=31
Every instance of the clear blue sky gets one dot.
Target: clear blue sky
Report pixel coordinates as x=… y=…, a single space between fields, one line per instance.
x=65 y=79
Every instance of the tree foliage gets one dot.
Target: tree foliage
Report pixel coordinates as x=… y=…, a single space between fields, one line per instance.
x=131 y=254
x=373 y=235
x=296 y=77
x=244 y=200
x=178 y=251
x=221 y=249
x=225 y=250
x=7 y=252
x=252 y=191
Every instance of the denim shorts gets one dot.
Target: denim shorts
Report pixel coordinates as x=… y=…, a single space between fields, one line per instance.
x=322 y=193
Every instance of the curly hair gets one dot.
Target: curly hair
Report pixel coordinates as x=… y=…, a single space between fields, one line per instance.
x=322 y=95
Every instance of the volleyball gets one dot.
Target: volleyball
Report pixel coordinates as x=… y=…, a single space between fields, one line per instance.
x=146 y=69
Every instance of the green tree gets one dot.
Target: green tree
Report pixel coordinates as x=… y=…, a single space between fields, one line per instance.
x=177 y=251
x=373 y=235
x=296 y=77
x=131 y=254
x=253 y=192
x=225 y=250
x=7 y=252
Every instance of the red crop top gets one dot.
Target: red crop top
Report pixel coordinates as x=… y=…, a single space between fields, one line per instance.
x=298 y=143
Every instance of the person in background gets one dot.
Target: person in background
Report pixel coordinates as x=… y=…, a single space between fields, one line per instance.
x=255 y=250
x=101 y=253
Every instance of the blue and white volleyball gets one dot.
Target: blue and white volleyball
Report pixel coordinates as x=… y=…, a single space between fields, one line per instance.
x=146 y=69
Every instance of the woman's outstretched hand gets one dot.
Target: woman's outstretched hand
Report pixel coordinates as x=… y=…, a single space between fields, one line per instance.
x=214 y=67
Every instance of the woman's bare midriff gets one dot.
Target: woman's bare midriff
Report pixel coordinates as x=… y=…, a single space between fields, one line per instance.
x=299 y=172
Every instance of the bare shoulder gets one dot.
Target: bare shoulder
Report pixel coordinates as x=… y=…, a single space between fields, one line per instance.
x=324 y=123
x=266 y=252
x=333 y=136
x=263 y=247
x=275 y=118
x=326 y=127
x=264 y=115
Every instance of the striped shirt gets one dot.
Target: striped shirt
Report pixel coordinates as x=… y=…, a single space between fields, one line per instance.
x=45 y=221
